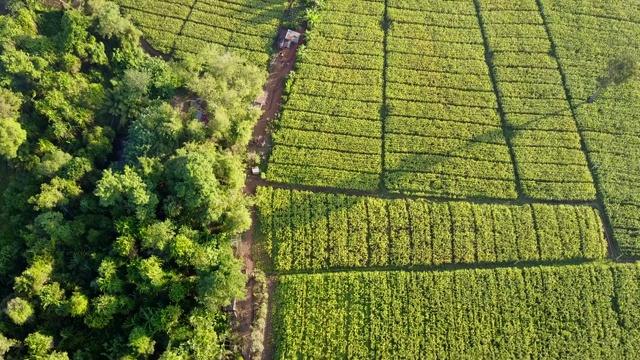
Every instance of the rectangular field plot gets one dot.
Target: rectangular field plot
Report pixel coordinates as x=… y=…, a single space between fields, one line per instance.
x=588 y=38
x=330 y=131
x=439 y=91
x=313 y=231
x=537 y=113
x=529 y=313
x=181 y=27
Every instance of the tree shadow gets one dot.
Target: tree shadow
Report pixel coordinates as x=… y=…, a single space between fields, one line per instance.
x=429 y=162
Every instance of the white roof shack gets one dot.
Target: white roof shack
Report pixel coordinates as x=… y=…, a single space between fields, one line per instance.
x=290 y=38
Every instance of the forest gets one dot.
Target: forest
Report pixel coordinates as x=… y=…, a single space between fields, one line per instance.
x=120 y=203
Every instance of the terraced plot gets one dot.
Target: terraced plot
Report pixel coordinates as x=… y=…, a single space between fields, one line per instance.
x=539 y=118
x=305 y=231
x=179 y=27
x=586 y=311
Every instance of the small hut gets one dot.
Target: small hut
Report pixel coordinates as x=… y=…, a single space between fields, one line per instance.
x=290 y=38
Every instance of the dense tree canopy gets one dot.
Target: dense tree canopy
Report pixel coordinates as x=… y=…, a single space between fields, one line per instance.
x=119 y=210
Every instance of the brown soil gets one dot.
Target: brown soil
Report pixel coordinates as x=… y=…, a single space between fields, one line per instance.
x=279 y=69
x=153 y=52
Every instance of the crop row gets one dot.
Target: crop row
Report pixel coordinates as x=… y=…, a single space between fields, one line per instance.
x=463 y=65
x=547 y=312
x=467 y=149
x=164 y=8
x=451 y=186
x=224 y=21
x=358 y=92
x=308 y=71
x=442 y=79
x=264 y=13
x=331 y=159
x=369 y=7
x=427 y=110
x=610 y=125
x=318 y=176
x=447 y=50
x=293 y=119
x=469 y=21
x=484 y=99
x=435 y=33
x=304 y=230
x=435 y=6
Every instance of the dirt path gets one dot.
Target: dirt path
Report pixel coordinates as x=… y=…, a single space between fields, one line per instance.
x=267 y=354
x=152 y=51
x=260 y=144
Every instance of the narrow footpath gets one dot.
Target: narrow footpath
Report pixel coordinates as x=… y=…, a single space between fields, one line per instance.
x=282 y=64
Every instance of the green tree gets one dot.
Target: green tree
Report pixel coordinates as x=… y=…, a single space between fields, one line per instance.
x=19 y=310
x=228 y=85
x=126 y=194
x=11 y=137
x=204 y=184
x=90 y=265
x=129 y=95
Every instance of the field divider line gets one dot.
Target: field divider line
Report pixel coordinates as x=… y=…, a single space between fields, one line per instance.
x=492 y=74
x=441 y=268
x=614 y=249
x=383 y=109
x=435 y=199
x=184 y=24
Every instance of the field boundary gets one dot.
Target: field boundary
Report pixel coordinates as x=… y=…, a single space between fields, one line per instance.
x=384 y=110
x=444 y=267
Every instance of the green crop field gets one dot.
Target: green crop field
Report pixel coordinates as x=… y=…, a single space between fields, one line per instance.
x=438 y=184
x=305 y=231
x=247 y=28
x=586 y=311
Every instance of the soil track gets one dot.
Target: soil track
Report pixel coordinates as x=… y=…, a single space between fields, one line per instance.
x=279 y=69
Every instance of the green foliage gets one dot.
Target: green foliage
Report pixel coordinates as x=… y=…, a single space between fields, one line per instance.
x=227 y=84
x=118 y=254
x=127 y=194
x=6 y=344
x=19 y=310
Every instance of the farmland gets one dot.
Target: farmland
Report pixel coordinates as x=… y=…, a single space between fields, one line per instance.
x=330 y=131
x=610 y=126
x=467 y=184
x=480 y=314
x=179 y=27
x=311 y=231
